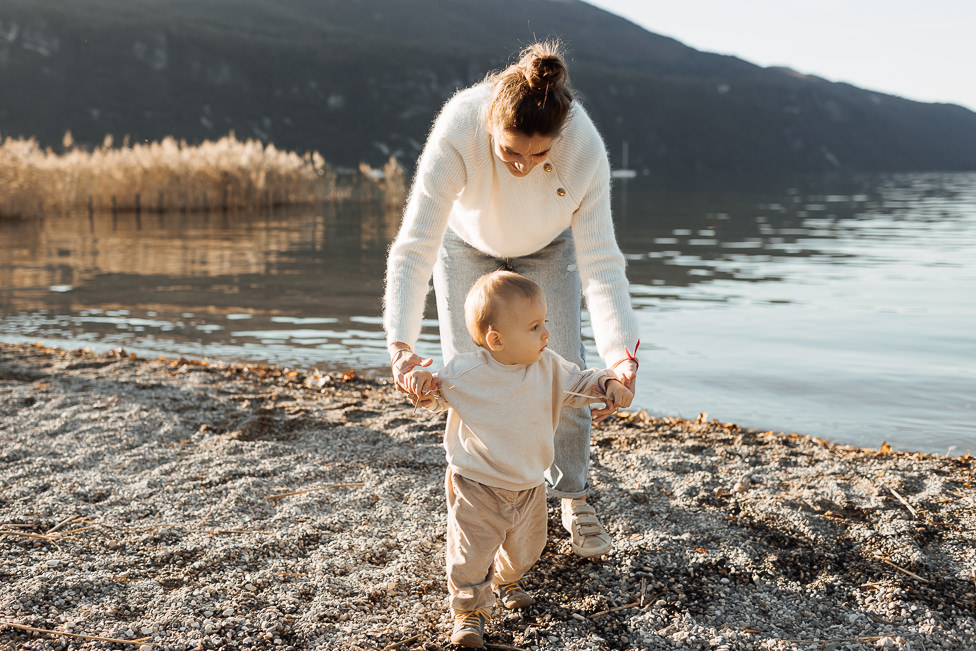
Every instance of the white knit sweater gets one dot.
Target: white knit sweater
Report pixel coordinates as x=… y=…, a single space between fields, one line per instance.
x=461 y=184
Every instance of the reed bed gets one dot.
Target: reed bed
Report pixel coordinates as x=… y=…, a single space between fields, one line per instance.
x=388 y=185
x=172 y=175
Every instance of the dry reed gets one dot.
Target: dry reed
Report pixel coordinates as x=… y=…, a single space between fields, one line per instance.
x=170 y=175
x=388 y=185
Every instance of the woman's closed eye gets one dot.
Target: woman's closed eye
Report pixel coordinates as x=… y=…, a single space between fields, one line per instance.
x=509 y=152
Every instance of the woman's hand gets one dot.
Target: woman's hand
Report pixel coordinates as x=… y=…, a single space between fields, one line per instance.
x=626 y=373
x=402 y=361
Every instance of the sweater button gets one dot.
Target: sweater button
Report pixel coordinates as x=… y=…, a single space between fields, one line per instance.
x=547 y=167
x=561 y=192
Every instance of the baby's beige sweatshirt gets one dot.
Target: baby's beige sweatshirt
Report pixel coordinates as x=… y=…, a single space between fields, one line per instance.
x=502 y=417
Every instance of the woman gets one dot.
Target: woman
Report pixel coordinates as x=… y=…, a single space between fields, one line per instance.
x=515 y=175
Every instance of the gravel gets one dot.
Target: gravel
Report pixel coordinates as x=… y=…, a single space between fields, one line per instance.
x=186 y=504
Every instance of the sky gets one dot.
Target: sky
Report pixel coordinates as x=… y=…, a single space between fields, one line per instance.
x=917 y=49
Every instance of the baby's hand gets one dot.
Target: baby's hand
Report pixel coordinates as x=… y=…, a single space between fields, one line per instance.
x=617 y=397
x=619 y=394
x=420 y=384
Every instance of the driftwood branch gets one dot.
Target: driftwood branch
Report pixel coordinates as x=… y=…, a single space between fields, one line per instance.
x=397 y=645
x=61 y=524
x=214 y=532
x=33 y=536
x=903 y=501
x=281 y=496
x=901 y=569
x=94 y=638
x=866 y=638
x=636 y=604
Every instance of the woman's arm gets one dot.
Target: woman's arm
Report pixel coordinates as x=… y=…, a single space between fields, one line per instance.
x=414 y=251
x=440 y=177
x=602 y=267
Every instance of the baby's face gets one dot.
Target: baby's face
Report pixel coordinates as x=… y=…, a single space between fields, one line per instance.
x=523 y=331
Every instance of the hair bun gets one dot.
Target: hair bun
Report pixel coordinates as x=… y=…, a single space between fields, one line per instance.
x=543 y=65
x=533 y=95
x=544 y=71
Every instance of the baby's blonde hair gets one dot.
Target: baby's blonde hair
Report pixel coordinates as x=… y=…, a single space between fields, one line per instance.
x=488 y=297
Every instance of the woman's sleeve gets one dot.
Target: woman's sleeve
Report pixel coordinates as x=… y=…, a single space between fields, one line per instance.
x=601 y=264
x=439 y=178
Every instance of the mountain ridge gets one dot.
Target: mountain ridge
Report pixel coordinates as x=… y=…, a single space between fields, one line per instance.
x=361 y=80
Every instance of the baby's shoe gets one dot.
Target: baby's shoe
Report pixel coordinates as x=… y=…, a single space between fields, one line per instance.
x=469 y=629
x=513 y=596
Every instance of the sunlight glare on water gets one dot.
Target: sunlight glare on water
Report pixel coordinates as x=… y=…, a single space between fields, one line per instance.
x=847 y=316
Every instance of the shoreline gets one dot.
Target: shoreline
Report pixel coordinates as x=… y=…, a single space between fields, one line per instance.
x=378 y=374
x=203 y=505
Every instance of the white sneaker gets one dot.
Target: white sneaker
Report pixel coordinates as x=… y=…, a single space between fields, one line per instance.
x=589 y=537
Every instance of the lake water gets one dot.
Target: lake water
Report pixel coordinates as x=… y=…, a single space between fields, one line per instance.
x=840 y=308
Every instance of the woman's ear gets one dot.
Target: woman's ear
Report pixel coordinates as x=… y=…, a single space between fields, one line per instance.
x=493 y=339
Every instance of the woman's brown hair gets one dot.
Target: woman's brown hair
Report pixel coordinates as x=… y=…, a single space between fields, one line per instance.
x=532 y=96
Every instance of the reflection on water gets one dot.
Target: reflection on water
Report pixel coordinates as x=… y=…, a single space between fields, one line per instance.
x=294 y=286
x=840 y=308
x=59 y=253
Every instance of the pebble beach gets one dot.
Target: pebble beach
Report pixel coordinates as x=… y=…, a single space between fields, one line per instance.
x=195 y=504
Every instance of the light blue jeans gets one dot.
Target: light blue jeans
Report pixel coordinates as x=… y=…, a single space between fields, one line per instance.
x=554 y=270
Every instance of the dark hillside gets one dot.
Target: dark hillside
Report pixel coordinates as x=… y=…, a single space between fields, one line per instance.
x=362 y=79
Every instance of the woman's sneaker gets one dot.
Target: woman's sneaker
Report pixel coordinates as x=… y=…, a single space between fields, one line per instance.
x=469 y=629
x=589 y=537
x=512 y=596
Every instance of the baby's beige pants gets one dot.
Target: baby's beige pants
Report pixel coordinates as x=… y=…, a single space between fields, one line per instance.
x=493 y=537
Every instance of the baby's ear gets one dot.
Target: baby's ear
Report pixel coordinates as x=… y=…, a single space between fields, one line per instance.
x=493 y=340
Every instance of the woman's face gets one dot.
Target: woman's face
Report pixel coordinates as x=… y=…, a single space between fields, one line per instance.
x=520 y=152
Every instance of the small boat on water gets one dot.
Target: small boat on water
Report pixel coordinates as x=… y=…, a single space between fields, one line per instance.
x=624 y=172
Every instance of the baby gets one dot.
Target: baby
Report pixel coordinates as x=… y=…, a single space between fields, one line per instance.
x=504 y=402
